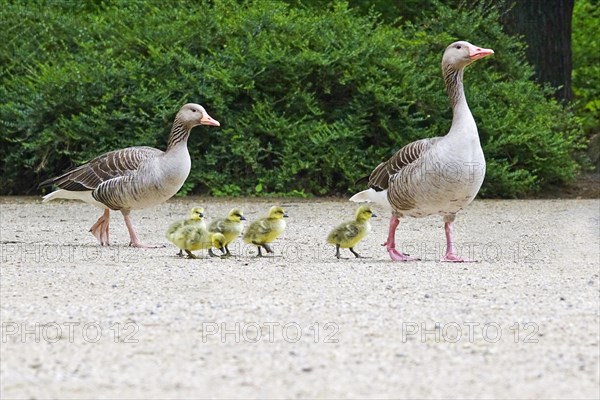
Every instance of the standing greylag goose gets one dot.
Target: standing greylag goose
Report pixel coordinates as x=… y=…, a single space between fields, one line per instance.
x=132 y=178
x=436 y=176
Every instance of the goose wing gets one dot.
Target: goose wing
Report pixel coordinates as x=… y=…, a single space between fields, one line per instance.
x=217 y=226
x=111 y=165
x=343 y=232
x=379 y=178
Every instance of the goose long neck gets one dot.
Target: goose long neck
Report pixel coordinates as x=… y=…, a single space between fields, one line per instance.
x=179 y=134
x=461 y=114
x=453 y=78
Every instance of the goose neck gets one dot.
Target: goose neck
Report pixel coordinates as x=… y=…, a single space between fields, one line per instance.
x=179 y=135
x=462 y=119
x=453 y=79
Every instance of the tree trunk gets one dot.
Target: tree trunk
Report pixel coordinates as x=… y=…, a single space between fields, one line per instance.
x=546 y=28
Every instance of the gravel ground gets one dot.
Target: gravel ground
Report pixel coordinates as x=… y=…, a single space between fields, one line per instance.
x=80 y=321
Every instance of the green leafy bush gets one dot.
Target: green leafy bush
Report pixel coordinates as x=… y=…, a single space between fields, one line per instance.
x=308 y=101
x=586 y=63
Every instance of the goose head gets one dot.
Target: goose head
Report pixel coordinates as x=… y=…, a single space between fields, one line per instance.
x=277 y=212
x=236 y=215
x=460 y=54
x=217 y=240
x=192 y=115
x=364 y=213
x=197 y=214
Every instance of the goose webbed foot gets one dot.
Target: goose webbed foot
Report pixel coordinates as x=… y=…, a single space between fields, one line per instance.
x=396 y=255
x=100 y=228
x=141 y=245
x=390 y=243
x=451 y=257
x=226 y=253
x=265 y=246
x=190 y=254
x=355 y=253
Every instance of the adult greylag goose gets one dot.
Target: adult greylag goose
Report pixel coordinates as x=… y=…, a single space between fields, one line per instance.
x=132 y=178
x=435 y=176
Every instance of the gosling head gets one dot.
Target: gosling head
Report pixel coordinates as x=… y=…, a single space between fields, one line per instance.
x=277 y=212
x=364 y=213
x=236 y=215
x=191 y=115
x=218 y=241
x=197 y=214
x=460 y=54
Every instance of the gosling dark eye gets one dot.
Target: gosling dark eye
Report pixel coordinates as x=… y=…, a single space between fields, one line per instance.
x=458 y=46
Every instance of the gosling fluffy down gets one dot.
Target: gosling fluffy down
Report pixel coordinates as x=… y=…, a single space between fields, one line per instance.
x=230 y=227
x=192 y=237
x=196 y=218
x=267 y=229
x=348 y=234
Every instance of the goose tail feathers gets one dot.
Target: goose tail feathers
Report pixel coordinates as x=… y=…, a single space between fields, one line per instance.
x=372 y=196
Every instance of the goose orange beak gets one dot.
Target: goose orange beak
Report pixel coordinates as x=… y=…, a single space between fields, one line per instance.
x=475 y=53
x=208 y=120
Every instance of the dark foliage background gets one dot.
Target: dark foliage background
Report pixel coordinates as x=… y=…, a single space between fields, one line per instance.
x=310 y=96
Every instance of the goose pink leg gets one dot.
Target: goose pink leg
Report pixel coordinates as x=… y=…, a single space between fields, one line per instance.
x=390 y=243
x=134 y=241
x=450 y=254
x=100 y=228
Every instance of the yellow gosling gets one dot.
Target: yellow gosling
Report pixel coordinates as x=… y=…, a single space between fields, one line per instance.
x=265 y=230
x=196 y=218
x=191 y=238
x=230 y=227
x=348 y=234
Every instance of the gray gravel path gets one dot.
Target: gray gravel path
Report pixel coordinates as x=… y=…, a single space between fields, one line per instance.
x=80 y=321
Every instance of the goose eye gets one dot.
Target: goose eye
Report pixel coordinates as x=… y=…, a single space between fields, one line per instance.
x=458 y=46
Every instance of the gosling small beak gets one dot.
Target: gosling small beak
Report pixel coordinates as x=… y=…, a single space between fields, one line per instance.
x=208 y=120
x=201 y=215
x=285 y=215
x=242 y=218
x=374 y=215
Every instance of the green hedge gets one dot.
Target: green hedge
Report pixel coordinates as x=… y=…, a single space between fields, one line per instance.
x=586 y=63
x=309 y=100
